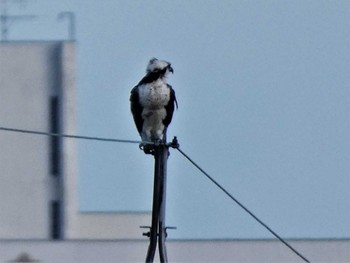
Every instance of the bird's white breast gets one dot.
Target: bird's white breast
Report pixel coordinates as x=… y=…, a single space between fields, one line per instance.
x=154 y=95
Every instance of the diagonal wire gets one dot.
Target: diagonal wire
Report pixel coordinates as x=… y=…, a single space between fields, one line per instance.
x=70 y=136
x=243 y=206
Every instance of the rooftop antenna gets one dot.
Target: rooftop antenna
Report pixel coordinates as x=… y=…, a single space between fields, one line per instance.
x=71 y=20
x=6 y=20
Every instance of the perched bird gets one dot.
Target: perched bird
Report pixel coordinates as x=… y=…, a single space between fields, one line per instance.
x=153 y=101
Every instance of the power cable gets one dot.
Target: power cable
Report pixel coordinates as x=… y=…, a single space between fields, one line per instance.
x=69 y=136
x=242 y=206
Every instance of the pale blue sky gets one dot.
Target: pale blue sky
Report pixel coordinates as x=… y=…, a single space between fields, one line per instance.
x=264 y=103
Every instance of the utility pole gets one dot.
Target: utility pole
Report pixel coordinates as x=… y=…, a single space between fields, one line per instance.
x=158 y=230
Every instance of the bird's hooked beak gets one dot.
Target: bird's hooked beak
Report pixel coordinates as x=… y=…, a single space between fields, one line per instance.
x=170 y=69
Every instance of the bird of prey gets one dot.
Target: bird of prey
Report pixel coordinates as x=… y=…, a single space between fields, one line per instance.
x=152 y=102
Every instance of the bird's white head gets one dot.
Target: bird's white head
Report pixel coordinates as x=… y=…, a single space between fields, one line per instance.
x=155 y=65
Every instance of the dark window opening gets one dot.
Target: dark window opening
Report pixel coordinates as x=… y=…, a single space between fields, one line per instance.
x=54 y=140
x=55 y=215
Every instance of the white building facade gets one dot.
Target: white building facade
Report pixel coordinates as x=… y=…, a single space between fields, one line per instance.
x=38 y=174
x=31 y=76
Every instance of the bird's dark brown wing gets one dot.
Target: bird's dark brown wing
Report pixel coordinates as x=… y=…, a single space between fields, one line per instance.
x=170 y=107
x=136 y=108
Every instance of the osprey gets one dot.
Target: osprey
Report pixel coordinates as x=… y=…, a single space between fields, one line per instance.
x=152 y=102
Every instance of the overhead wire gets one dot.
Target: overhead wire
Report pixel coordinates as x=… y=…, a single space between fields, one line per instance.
x=70 y=136
x=243 y=206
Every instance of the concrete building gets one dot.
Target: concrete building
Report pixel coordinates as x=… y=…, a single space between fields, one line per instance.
x=38 y=190
x=39 y=215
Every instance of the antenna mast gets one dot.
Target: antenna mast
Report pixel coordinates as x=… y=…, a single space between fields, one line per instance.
x=71 y=26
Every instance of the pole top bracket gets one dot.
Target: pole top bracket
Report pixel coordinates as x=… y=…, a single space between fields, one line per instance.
x=149 y=147
x=148 y=234
x=174 y=143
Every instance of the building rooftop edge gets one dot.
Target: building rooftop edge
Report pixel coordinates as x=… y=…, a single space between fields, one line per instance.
x=9 y=42
x=114 y=212
x=180 y=240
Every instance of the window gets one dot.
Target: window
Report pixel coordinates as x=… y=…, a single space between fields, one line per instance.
x=54 y=140
x=55 y=215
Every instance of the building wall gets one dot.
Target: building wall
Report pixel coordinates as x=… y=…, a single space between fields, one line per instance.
x=104 y=226
x=178 y=251
x=29 y=76
x=69 y=149
x=38 y=174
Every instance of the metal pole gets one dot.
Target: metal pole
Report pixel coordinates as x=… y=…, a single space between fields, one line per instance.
x=71 y=25
x=153 y=235
x=158 y=229
x=163 y=155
